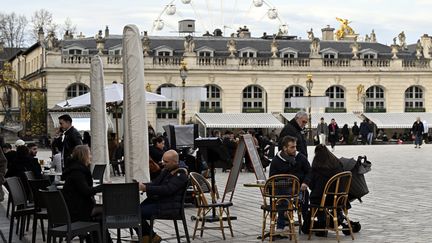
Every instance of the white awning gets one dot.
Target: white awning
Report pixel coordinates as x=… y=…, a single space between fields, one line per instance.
x=238 y=120
x=80 y=120
x=397 y=120
x=341 y=118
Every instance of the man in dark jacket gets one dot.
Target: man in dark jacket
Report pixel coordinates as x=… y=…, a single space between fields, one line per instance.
x=417 y=131
x=163 y=194
x=355 y=131
x=295 y=128
x=68 y=138
x=289 y=161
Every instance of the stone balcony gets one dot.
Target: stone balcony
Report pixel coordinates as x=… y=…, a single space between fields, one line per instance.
x=258 y=64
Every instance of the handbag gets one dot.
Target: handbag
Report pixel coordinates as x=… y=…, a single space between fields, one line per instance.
x=153 y=166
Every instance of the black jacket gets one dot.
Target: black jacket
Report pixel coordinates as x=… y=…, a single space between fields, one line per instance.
x=71 y=140
x=166 y=191
x=156 y=154
x=355 y=130
x=418 y=128
x=78 y=191
x=298 y=166
x=317 y=181
x=293 y=129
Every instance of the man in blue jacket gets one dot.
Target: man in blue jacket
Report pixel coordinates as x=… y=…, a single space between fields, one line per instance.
x=164 y=194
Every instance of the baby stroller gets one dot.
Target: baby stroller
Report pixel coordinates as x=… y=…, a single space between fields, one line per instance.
x=358 y=187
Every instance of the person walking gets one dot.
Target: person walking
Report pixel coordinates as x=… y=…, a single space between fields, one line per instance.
x=370 y=134
x=295 y=128
x=345 y=134
x=417 y=130
x=333 y=133
x=355 y=132
x=322 y=131
x=364 y=131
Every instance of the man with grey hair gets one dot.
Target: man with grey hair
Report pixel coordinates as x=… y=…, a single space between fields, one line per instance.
x=295 y=128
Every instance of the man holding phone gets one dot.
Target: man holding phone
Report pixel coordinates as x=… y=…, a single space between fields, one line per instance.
x=67 y=138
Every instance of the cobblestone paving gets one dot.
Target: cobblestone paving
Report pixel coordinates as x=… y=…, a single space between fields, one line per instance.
x=397 y=209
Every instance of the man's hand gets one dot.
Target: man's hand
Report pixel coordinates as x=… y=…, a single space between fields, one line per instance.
x=142 y=187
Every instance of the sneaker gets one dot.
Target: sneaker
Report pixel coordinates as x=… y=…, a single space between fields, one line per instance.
x=416 y=146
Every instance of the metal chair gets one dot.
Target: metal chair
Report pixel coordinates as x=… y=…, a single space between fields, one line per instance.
x=206 y=202
x=121 y=208
x=59 y=221
x=280 y=193
x=40 y=206
x=19 y=210
x=179 y=215
x=334 y=199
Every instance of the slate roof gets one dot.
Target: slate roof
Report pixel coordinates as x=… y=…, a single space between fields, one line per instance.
x=219 y=44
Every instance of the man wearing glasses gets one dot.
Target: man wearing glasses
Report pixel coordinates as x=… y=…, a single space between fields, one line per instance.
x=67 y=138
x=295 y=128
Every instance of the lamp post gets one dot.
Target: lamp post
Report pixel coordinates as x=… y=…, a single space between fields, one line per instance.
x=183 y=76
x=309 y=86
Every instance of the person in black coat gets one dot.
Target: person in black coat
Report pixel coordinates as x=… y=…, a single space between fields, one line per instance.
x=324 y=166
x=345 y=134
x=163 y=194
x=364 y=131
x=417 y=131
x=333 y=133
x=295 y=128
x=67 y=138
x=290 y=161
x=355 y=132
x=78 y=189
x=157 y=150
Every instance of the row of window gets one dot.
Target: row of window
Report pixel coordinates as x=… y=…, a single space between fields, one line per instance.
x=253 y=97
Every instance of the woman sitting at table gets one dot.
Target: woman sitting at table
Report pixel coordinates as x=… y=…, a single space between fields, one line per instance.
x=324 y=166
x=78 y=189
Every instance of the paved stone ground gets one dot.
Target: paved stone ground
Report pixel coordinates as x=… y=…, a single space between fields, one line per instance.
x=397 y=208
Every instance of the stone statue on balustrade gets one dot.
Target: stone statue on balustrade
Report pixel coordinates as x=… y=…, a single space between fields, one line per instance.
x=355 y=48
x=311 y=35
x=274 y=47
x=402 y=40
x=189 y=45
x=52 y=41
x=373 y=36
x=315 y=48
x=419 y=49
x=232 y=46
x=146 y=44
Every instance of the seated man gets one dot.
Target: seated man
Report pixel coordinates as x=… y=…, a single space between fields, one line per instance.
x=289 y=161
x=164 y=194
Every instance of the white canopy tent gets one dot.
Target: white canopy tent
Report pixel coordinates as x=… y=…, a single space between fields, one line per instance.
x=397 y=120
x=238 y=120
x=113 y=93
x=80 y=120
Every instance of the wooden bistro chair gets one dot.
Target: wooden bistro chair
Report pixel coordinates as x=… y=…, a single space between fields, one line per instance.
x=207 y=202
x=334 y=199
x=280 y=192
x=59 y=220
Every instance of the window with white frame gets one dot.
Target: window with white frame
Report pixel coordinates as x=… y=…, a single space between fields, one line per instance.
x=329 y=55
x=414 y=97
x=164 y=53
x=214 y=100
x=336 y=96
x=205 y=54
x=253 y=97
x=292 y=91
x=375 y=98
x=76 y=89
x=289 y=55
x=166 y=109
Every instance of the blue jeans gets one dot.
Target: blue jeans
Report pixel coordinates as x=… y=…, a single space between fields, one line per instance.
x=370 y=137
x=148 y=209
x=418 y=139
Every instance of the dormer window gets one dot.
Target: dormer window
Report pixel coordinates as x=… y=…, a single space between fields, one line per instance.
x=369 y=56
x=289 y=55
x=164 y=53
x=329 y=53
x=329 y=56
x=205 y=54
x=75 y=52
x=248 y=52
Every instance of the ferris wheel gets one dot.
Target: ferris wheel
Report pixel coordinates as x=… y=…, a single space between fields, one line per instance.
x=211 y=14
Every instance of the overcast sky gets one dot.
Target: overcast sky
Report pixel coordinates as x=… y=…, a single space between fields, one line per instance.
x=387 y=17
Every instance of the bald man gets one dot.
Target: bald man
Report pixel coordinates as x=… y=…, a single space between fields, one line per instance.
x=164 y=193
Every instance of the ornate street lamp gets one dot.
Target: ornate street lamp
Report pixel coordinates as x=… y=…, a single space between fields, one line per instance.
x=309 y=86
x=183 y=76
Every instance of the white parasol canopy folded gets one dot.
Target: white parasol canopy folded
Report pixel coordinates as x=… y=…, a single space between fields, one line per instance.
x=113 y=93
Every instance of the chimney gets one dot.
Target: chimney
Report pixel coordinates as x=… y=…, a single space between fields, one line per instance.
x=327 y=33
x=106 y=32
x=243 y=32
x=41 y=35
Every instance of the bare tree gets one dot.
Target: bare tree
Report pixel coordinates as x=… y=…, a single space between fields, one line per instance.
x=12 y=29
x=42 y=18
x=69 y=27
